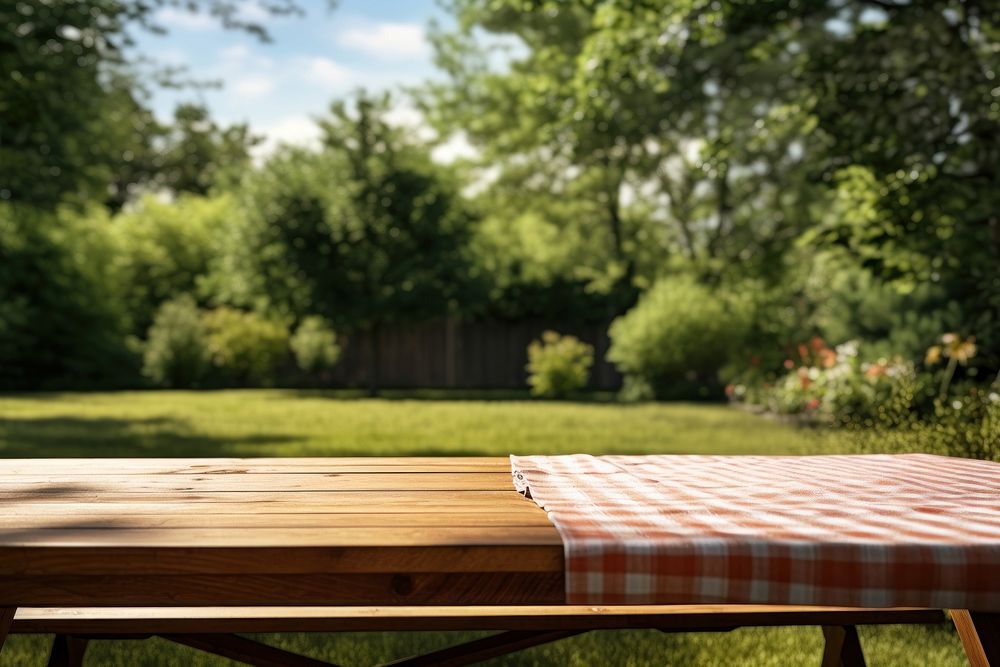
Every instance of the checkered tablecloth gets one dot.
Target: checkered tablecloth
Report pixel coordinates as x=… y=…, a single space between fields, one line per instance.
x=909 y=530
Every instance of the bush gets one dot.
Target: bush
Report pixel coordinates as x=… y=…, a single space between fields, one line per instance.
x=62 y=324
x=166 y=249
x=177 y=353
x=680 y=333
x=245 y=347
x=315 y=345
x=558 y=365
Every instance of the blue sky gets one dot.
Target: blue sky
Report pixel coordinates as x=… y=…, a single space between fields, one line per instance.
x=279 y=87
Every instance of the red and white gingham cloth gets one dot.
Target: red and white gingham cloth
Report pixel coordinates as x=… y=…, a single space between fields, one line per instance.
x=909 y=530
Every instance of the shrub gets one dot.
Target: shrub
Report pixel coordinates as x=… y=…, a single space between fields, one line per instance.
x=62 y=324
x=245 y=348
x=166 y=249
x=678 y=333
x=315 y=345
x=176 y=353
x=558 y=365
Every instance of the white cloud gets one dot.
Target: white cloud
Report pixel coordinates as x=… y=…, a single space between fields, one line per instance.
x=236 y=52
x=254 y=14
x=299 y=130
x=179 y=18
x=323 y=71
x=387 y=41
x=457 y=147
x=253 y=85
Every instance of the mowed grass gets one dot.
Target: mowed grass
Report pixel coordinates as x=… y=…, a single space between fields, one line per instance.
x=311 y=423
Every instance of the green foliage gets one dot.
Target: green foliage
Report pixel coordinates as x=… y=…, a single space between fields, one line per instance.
x=61 y=321
x=679 y=330
x=558 y=365
x=177 y=347
x=315 y=345
x=848 y=302
x=245 y=348
x=166 y=248
x=199 y=154
x=367 y=232
x=74 y=128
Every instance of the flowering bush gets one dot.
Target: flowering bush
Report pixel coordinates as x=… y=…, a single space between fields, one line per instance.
x=885 y=405
x=831 y=384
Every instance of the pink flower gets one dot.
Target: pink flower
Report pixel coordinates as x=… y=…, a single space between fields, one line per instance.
x=812 y=404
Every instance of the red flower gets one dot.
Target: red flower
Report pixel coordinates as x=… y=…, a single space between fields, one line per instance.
x=804 y=377
x=755 y=360
x=803 y=352
x=812 y=404
x=876 y=370
x=816 y=343
x=789 y=364
x=730 y=389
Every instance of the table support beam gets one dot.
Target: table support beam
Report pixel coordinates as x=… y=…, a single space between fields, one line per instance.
x=486 y=648
x=980 y=634
x=245 y=650
x=67 y=651
x=6 y=621
x=843 y=648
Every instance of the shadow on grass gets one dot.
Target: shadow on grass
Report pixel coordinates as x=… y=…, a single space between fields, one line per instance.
x=44 y=437
x=496 y=395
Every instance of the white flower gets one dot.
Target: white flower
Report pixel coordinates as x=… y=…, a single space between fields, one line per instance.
x=813 y=373
x=957 y=405
x=994 y=397
x=847 y=350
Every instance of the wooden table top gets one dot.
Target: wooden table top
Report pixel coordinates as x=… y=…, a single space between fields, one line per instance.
x=281 y=531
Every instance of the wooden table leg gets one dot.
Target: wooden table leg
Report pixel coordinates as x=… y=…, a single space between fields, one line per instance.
x=67 y=651
x=843 y=648
x=980 y=634
x=6 y=620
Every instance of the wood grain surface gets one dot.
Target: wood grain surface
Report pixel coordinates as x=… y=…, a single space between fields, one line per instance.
x=303 y=531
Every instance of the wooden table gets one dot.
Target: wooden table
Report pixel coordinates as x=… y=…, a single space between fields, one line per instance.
x=378 y=534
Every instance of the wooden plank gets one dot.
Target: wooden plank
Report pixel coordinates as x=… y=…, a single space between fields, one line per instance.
x=67 y=485
x=287 y=520
x=155 y=620
x=448 y=588
x=214 y=505
x=264 y=465
x=237 y=502
x=393 y=536
x=83 y=561
x=95 y=493
x=980 y=635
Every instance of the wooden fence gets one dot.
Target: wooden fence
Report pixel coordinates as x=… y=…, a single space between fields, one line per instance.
x=464 y=355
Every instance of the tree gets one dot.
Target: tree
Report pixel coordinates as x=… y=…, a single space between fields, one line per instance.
x=198 y=154
x=367 y=232
x=166 y=249
x=70 y=112
x=61 y=317
x=596 y=106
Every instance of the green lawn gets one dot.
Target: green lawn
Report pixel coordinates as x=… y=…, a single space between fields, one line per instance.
x=297 y=423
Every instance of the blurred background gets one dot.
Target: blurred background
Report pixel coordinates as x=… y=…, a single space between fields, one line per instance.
x=296 y=227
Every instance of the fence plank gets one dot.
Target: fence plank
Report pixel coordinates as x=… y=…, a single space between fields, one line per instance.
x=451 y=354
